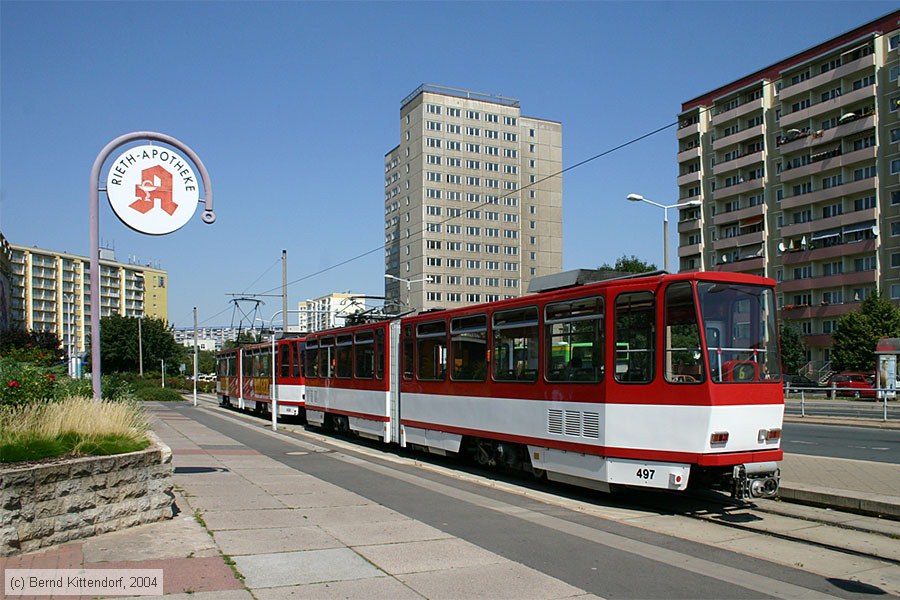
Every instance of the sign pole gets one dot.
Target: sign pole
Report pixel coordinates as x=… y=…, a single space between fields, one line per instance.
x=208 y=217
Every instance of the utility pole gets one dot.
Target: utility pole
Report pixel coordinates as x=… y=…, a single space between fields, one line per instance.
x=196 y=357
x=140 y=348
x=284 y=297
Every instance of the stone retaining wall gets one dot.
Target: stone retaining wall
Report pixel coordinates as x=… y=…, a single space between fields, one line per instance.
x=45 y=505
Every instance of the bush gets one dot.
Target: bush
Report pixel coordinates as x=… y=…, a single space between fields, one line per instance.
x=21 y=383
x=157 y=394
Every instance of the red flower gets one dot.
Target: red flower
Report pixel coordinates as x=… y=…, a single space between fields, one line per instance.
x=50 y=376
x=13 y=384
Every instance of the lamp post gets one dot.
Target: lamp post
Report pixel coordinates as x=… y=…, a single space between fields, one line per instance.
x=639 y=198
x=408 y=282
x=70 y=299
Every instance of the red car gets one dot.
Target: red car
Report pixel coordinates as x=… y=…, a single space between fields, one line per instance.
x=857 y=385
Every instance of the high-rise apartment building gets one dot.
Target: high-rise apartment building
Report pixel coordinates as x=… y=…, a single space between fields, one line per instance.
x=473 y=200
x=798 y=170
x=51 y=291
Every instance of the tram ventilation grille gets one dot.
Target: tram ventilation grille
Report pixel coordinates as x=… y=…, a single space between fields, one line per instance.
x=573 y=423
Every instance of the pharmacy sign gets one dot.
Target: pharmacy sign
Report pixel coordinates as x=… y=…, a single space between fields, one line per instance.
x=152 y=189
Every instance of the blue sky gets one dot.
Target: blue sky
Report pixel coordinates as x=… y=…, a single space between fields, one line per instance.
x=292 y=106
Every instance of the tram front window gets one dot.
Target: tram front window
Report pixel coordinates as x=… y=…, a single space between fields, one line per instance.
x=741 y=336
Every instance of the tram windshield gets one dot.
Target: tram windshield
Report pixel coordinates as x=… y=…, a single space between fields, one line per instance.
x=741 y=336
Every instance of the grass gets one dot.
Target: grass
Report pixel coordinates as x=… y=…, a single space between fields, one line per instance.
x=74 y=426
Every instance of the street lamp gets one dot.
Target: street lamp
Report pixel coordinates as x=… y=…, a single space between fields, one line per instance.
x=639 y=198
x=409 y=282
x=70 y=300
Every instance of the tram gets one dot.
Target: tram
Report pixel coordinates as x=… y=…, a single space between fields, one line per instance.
x=659 y=381
x=244 y=377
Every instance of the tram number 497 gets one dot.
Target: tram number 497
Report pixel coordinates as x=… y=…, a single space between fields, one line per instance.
x=645 y=473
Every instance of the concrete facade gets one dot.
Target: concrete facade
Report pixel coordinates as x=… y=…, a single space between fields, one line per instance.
x=473 y=200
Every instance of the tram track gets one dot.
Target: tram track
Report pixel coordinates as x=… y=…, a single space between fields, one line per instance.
x=785 y=524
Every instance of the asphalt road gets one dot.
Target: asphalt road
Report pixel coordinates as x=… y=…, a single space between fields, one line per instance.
x=836 y=441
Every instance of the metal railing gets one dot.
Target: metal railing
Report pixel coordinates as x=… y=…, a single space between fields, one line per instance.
x=872 y=403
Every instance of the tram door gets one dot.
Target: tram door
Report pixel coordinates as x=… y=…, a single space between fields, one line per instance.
x=394 y=385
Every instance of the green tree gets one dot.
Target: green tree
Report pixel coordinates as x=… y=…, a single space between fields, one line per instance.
x=858 y=332
x=793 y=350
x=206 y=361
x=119 y=344
x=629 y=264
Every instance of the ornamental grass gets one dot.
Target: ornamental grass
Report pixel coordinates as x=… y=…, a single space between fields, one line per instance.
x=74 y=426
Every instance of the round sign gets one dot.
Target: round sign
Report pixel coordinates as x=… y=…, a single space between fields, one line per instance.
x=152 y=189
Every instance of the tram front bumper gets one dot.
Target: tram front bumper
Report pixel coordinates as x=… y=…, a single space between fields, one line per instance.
x=755 y=480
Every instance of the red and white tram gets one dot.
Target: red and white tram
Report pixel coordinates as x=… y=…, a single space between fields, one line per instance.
x=650 y=381
x=244 y=377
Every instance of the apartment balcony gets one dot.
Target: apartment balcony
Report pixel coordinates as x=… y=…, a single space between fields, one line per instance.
x=689 y=225
x=689 y=178
x=807 y=228
x=828 y=252
x=689 y=250
x=866 y=62
x=822 y=107
x=820 y=311
x=832 y=281
x=720 y=168
x=739 y=215
x=737 y=112
x=689 y=154
x=833 y=162
x=837 y=191
x=818 y=340
x=741 y=188
x=739 y=137
x=748 y=239
x=747 y=265
x=842 y=130
x=686 y=132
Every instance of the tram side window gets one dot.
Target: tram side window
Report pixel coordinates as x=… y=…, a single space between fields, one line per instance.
x=364 y=348
x=284 y=360
x=344 y=356
x=468 y=348
x=635 y=337
x=379 y=354
x=431 y=350
x=326 y=357
x=574 y=340
x=295 y=359
x=683 y=356
x=311 y=359
x=408 y=354
x=516 y=349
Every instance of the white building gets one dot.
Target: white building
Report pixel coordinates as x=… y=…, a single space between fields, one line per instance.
x=328 y=311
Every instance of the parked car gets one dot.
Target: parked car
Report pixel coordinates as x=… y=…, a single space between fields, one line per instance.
x=800 y=381
x=856 y=385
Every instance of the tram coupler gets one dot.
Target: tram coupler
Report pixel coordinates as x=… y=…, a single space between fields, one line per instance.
x=755 y=480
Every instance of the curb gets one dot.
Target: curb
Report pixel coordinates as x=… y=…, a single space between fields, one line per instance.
x=876 y=505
